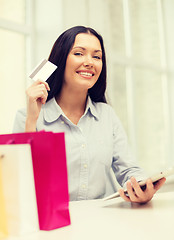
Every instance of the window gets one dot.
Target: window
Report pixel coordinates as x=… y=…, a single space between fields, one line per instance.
x=140 y=78
x=15 y=42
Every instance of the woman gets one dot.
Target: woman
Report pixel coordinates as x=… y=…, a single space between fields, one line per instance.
x=73 y=101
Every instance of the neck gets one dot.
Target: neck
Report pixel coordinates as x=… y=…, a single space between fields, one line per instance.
x=73 y=104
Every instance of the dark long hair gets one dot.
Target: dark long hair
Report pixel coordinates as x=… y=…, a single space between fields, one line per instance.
x=58 y=56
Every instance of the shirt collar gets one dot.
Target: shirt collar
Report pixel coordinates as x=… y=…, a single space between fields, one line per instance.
x=52 y=111
x=91 y=108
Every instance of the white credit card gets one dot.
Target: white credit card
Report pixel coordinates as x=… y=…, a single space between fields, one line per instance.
x=43 y=70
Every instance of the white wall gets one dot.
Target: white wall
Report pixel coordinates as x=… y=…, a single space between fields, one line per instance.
x=169 y=15
x=48 y=26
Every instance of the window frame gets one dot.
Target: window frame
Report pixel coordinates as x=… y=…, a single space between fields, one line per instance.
x=129 y=63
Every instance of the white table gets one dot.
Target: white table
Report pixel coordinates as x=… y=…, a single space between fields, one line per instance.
x=116 y=219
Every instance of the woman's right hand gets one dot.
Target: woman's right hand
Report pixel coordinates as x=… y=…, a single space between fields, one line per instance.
x=36 y=96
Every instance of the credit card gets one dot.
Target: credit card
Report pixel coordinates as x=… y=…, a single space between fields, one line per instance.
x=43 y=70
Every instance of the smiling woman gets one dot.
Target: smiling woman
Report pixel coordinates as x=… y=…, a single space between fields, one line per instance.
x=84 y=62
x=73 y=101
x=83 y=68
x=91 y=48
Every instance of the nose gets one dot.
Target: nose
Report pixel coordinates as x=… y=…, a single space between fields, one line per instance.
x=88 y=62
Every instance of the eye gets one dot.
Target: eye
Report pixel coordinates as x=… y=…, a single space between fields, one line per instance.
x=97 y=57
x=78 y=54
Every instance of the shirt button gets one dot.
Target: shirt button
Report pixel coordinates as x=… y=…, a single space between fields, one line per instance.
x=83 y=145
x=85 y=165
x=62 y=122
x=83 y=186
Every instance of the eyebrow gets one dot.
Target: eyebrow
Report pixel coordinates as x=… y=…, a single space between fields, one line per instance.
x=85 y=49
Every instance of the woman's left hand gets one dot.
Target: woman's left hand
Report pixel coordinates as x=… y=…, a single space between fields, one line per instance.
x=136 y=194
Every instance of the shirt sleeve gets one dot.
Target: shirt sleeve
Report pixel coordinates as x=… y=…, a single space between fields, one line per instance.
x=19 y=122
x=124 y=164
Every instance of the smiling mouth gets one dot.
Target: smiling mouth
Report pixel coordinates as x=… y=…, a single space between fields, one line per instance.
x=86 y=74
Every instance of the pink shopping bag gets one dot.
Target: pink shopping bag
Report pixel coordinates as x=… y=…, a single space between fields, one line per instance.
x=50 y=175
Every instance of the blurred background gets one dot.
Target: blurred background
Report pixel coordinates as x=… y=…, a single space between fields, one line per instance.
x=138 y=37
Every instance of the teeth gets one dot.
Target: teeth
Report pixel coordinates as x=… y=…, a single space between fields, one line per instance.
x=85 y=74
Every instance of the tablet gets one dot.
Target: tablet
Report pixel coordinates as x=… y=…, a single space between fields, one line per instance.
x=155 y=178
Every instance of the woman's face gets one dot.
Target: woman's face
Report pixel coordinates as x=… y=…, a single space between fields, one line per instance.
x=84 y=63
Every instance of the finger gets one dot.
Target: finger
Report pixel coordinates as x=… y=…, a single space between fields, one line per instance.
x=43 y=96
x=131 y=193
x=42 y=82
x=159 y=184
x=149 y=191
x=42 y=87
x=36 y=92
x=47 y=86
x=149 y=185
x=137 y=189
x=123 y=195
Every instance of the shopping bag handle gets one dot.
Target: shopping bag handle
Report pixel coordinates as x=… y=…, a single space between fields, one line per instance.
x=12 y=141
